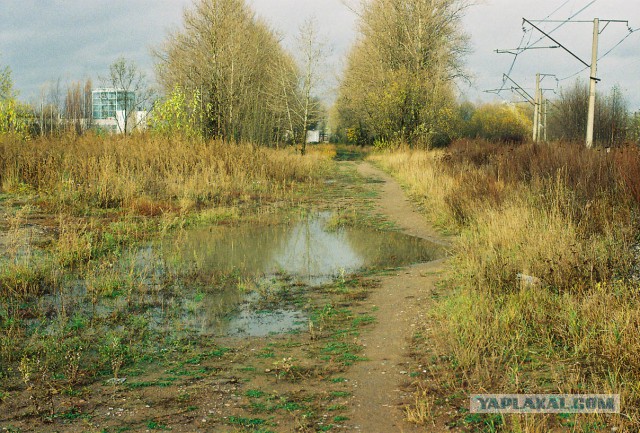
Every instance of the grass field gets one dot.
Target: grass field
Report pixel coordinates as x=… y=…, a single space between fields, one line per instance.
x=148 y=175
x=78 y=301
x=542 y=291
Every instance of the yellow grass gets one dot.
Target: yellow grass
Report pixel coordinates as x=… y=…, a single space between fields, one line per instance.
x=148 y=175
x=576 y=329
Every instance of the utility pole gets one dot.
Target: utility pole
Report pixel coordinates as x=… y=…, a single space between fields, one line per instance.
x=593 y=66
x=537 y=101
x=594 y=81
x=546 y=109
x=536 y=111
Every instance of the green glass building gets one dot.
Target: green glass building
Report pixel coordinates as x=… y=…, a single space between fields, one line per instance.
x=110 y=106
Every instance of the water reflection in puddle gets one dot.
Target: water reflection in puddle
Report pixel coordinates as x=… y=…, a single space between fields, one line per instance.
x=307 y=252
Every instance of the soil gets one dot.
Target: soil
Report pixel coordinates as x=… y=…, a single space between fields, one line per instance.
x=381 y=388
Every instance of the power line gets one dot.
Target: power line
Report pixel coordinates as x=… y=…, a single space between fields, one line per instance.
x=575 y=75
x=587 y=66
x=515 y=57
x=562 y=23
x=530 y=45
x=631 y=31
x=580 y=21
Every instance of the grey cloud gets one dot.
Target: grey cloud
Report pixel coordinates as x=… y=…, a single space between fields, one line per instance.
x=73 y=39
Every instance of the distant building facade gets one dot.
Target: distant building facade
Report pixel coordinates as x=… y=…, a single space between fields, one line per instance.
x=109 y=108
x=313 y=137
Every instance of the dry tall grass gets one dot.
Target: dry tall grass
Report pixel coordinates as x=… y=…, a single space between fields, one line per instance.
x=562 y=214
x=148 y=174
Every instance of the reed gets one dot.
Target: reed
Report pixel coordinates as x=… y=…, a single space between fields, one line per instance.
x=149 y=175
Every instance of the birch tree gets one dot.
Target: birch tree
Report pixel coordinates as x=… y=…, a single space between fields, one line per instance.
x=77 y=105
x=399 y=80
x=133 y=89
x=310 y=54
x=231 y=59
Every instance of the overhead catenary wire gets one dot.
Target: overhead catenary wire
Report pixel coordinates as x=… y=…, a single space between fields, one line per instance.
x=562 y=23
x=631 y=31
x=526 y=42
x=529 y=45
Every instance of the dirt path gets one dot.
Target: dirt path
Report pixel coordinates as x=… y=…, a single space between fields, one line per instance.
x=401 y=300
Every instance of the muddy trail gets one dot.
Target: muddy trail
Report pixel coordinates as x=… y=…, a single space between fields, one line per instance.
x=382 y=385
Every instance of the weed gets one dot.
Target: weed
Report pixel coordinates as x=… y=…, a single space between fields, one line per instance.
x=254 y=393
x=363 y=320
x=218 y=352
x=338 y=379
x=421 y=412
x=245 y=422
x=183 y=397
x=285 y=368
x=114 y=352
x=154 y=425
x=38 y=379
x=73 y=414
x=266 y=353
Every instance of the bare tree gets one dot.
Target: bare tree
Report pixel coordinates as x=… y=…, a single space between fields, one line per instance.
x=310 y=57
x=568 y=117
x=50 y=106
x=133 y=92
x=77 y=106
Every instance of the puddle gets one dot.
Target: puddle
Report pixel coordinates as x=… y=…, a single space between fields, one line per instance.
x=241 y=281
x=261 y=324
x=307 y=251
x=249 y=322
x=21 y=243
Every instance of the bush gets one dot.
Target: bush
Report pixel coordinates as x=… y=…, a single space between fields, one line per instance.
x=500 y=123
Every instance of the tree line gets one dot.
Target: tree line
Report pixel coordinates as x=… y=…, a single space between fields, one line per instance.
x=565 y=120
x=225 y=74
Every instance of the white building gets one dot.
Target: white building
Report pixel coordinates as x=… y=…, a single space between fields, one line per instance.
x=313 y=137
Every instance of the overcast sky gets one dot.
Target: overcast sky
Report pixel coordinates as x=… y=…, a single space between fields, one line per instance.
x=43 y=40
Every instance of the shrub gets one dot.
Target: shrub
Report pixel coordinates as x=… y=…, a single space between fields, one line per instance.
x=566 y=216
x=501 y=123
